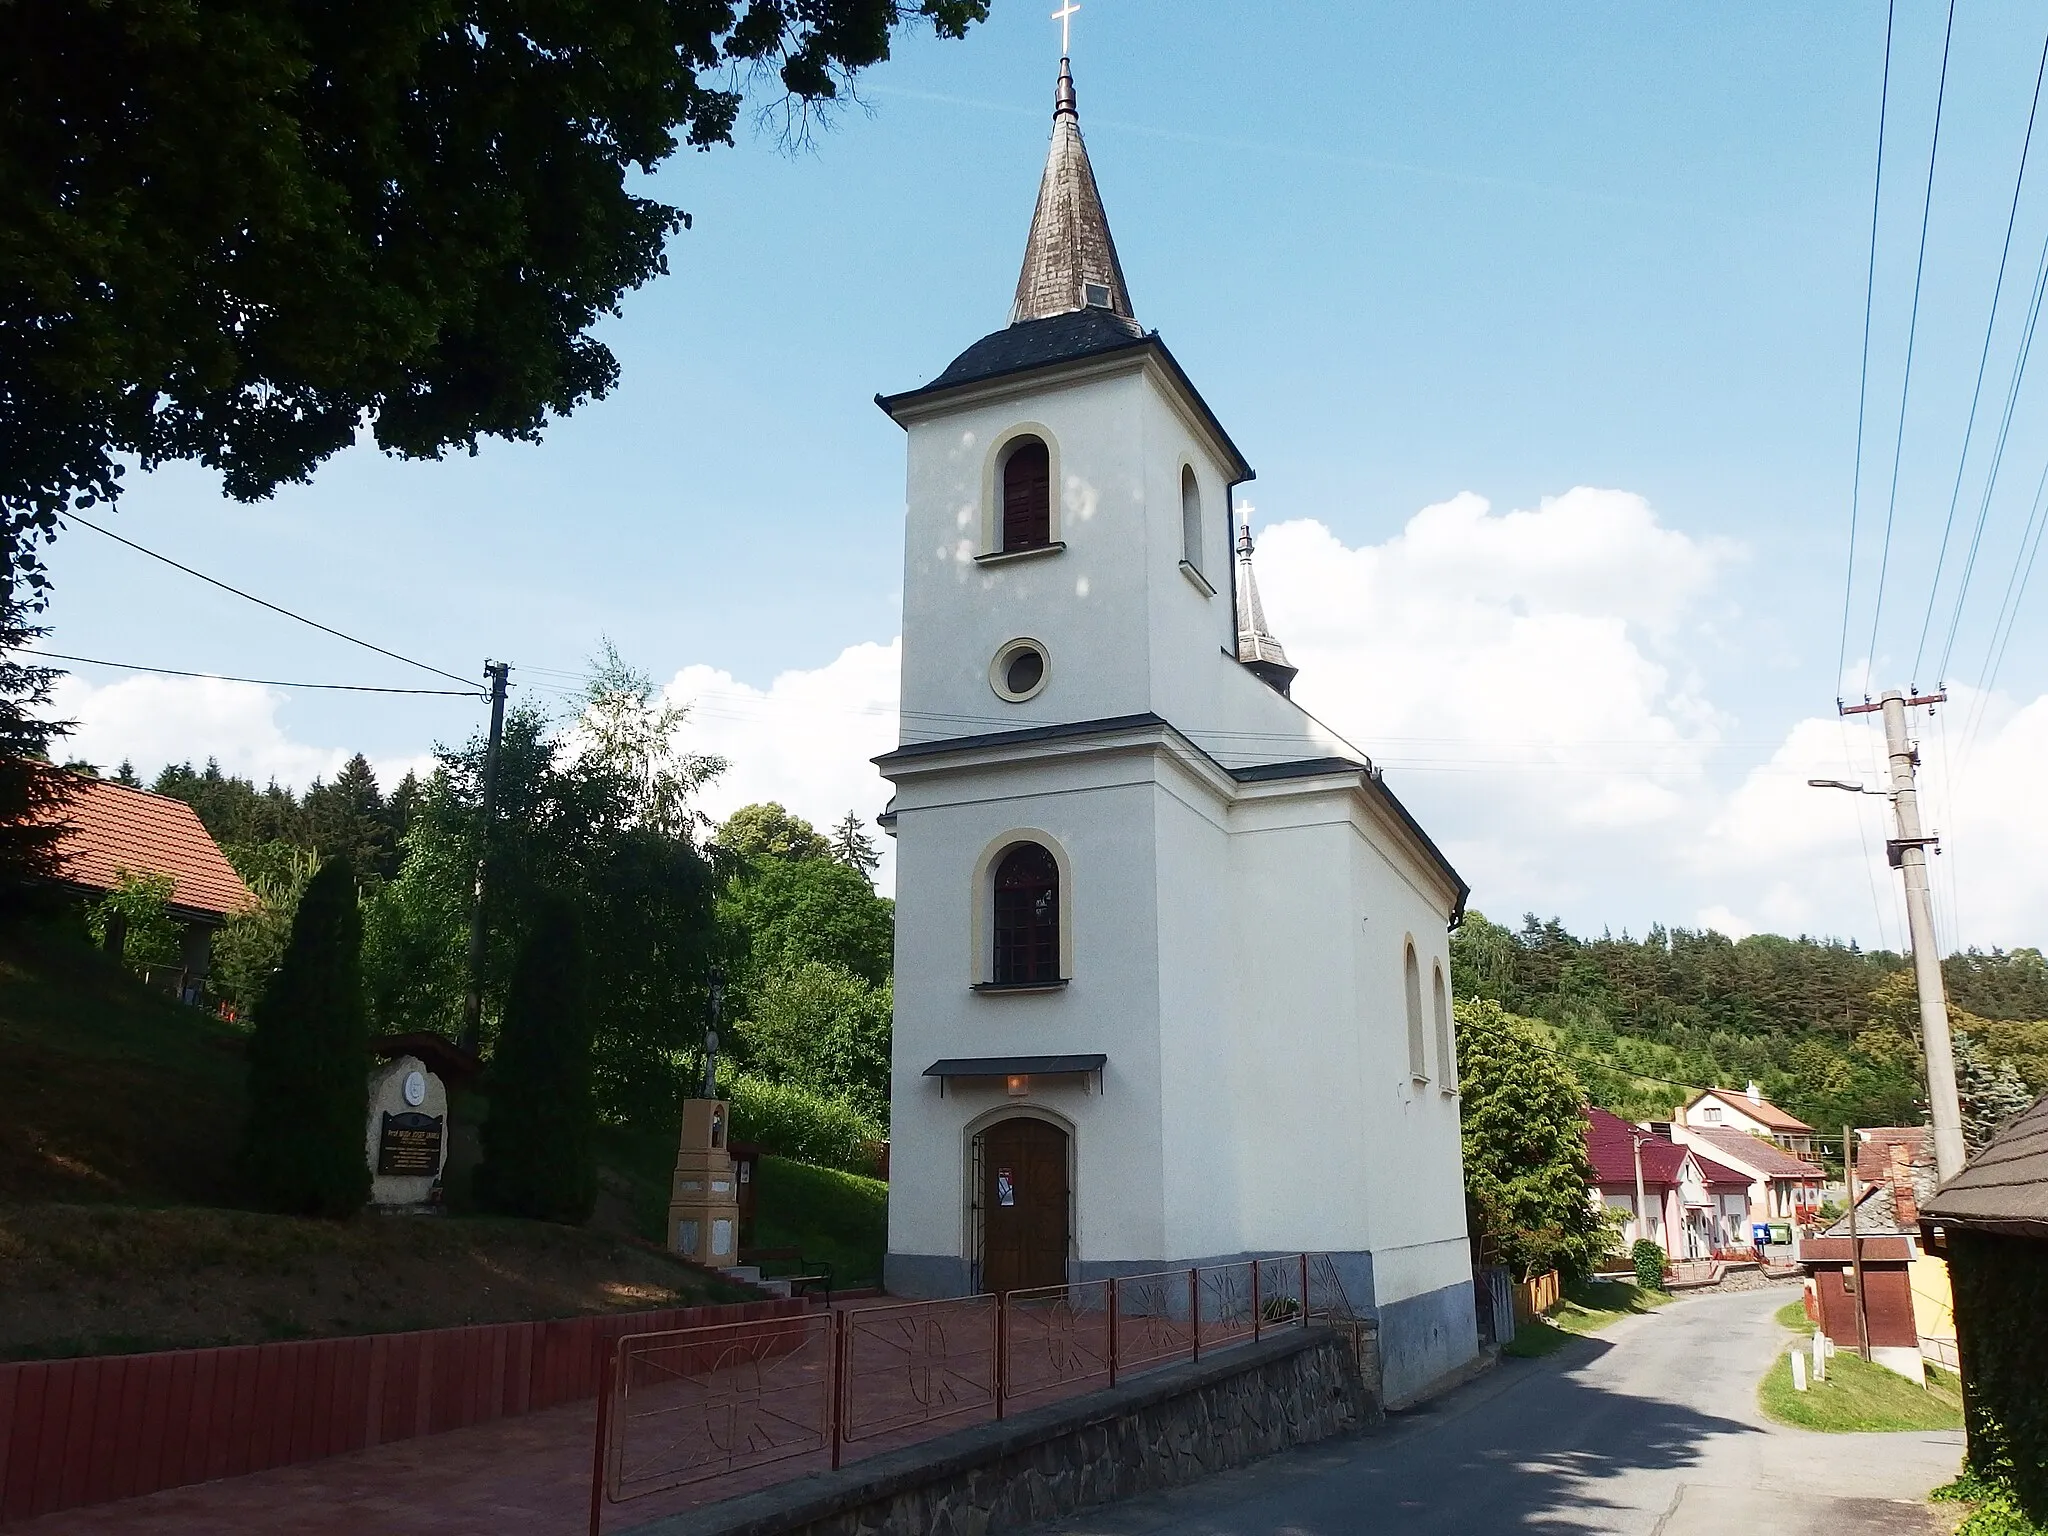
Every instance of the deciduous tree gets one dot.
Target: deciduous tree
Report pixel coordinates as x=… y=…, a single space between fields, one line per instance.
x=243 y=231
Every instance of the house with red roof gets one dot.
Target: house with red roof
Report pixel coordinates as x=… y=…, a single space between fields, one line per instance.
x=1749 y=1111
x=111 y=831
x=1691 y=1205
x=1782 y=1186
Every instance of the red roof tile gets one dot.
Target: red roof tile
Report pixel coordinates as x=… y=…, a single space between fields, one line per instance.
x=1609 y=1139
x=110 y=828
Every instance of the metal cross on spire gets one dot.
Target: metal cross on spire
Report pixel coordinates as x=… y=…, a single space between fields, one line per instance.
x=1063 y=16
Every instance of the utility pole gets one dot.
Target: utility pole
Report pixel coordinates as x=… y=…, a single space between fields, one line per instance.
x=1907 y=851
x=1642 y=1217
x=473 y=1004
x=1855 y=1242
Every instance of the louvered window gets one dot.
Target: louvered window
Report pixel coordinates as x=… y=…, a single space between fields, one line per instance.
x=1027 y=495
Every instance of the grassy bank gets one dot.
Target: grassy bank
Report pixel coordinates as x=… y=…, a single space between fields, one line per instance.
x=114 y=1092
x=101 y=1279
x=1858 y=1396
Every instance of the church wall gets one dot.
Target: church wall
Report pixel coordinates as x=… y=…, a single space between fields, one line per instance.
x=1206 y=1111
x=1196 y=680
x=1102 y=817
x=1086 y=603
x=1419 y=1223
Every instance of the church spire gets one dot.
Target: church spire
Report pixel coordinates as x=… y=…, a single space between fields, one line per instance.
x=1256 y=647
x=1069 y=261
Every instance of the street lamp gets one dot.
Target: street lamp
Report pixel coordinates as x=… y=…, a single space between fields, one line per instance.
x=711 y=1033
x=1854 y=789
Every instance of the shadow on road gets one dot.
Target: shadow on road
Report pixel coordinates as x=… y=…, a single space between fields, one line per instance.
x=1546 y=1452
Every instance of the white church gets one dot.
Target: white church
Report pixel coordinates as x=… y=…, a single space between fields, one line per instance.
x=1172 y=967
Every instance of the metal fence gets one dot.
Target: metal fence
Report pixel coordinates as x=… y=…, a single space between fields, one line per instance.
x=691 y=1404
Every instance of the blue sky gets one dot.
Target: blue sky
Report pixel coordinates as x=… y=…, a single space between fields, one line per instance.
x=1408 y=253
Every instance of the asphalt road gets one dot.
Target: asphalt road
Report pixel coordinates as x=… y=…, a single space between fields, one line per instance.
x=1650 y=1429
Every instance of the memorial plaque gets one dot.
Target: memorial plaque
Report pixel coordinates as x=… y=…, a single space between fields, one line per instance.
x=409 y=1145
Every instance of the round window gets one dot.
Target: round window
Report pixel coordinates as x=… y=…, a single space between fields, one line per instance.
x=1019 y=671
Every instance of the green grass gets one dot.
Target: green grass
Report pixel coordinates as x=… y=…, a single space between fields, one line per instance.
x=1793 y=1315
x=114 y=1092
x=840 y=1219
x=1591 y=1304
x=1535 y=1339
x=1858 y=1396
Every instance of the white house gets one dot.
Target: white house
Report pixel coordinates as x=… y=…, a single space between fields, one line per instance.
x=1172 y=976
x=1749 y=1112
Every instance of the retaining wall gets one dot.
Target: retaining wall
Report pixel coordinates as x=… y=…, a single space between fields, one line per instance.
x=1166 y=1428
x=76 y=1432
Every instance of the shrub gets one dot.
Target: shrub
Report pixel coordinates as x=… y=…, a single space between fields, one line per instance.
x=1648 y=1259
x=141 y=907
x=309 y=1060
x=539 y=1160
x=796 y=1122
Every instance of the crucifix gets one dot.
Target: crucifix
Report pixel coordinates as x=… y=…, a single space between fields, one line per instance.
x=1061 y=16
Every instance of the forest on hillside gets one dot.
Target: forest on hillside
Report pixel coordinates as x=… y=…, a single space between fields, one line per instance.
x=1828 y=1030
x=598 y=807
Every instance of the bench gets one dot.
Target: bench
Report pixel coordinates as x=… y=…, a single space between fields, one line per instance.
x=818 y=1275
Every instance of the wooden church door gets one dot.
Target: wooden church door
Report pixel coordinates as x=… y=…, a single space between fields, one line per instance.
x=1023 y=1205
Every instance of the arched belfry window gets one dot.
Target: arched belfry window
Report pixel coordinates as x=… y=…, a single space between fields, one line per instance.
x=1027 y=916
x=1027 y=495
x=1411 y=980
x=1190 y=518
x=1446 y=1052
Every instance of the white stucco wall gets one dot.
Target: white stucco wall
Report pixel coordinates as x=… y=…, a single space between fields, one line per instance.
x=1237 y=948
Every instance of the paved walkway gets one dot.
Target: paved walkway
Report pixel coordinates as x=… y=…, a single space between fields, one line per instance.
x=1650 y=1430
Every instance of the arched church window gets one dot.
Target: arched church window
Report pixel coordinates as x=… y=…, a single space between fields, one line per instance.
x=1190 y=518
x=1411 y=978
x=1027 y=916
x=1446 y=1055
x=1027 y=495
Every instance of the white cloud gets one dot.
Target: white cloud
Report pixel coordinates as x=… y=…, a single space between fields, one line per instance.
x=1525 y=680
x=151 y=721
x=805 y=740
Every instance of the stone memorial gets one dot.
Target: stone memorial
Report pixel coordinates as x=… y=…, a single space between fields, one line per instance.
x=704 y=1202
x=406 y=1139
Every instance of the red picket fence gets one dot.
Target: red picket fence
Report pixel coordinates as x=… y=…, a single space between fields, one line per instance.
x=685 y=1405
x=75 y=1432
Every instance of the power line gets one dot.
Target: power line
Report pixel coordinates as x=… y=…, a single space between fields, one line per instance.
x=266 y=682
x=1912 y=335
x=1983 y=358
x=261 y=602
x=1863 y=381
x=2012 y=395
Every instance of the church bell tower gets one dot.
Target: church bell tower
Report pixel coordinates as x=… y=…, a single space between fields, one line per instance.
x=1131 y=871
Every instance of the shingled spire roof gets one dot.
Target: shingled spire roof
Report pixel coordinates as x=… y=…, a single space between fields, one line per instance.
x=1069 y=261
x=1256 y=647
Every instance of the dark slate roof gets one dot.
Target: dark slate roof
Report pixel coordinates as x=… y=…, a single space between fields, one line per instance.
x=2005 y=1187
x=1037 y=343
x=1057 y=339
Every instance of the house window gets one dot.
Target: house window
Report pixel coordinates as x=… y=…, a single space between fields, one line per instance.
x=1418 y=1064
x=1190 y=518
x=1027 y=495
x=1446 y=1056
x=1712 y=1115
x=1027 y=917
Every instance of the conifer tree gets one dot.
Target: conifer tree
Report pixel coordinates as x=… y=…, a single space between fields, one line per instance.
x=539 y=1160
x=309 y=1060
